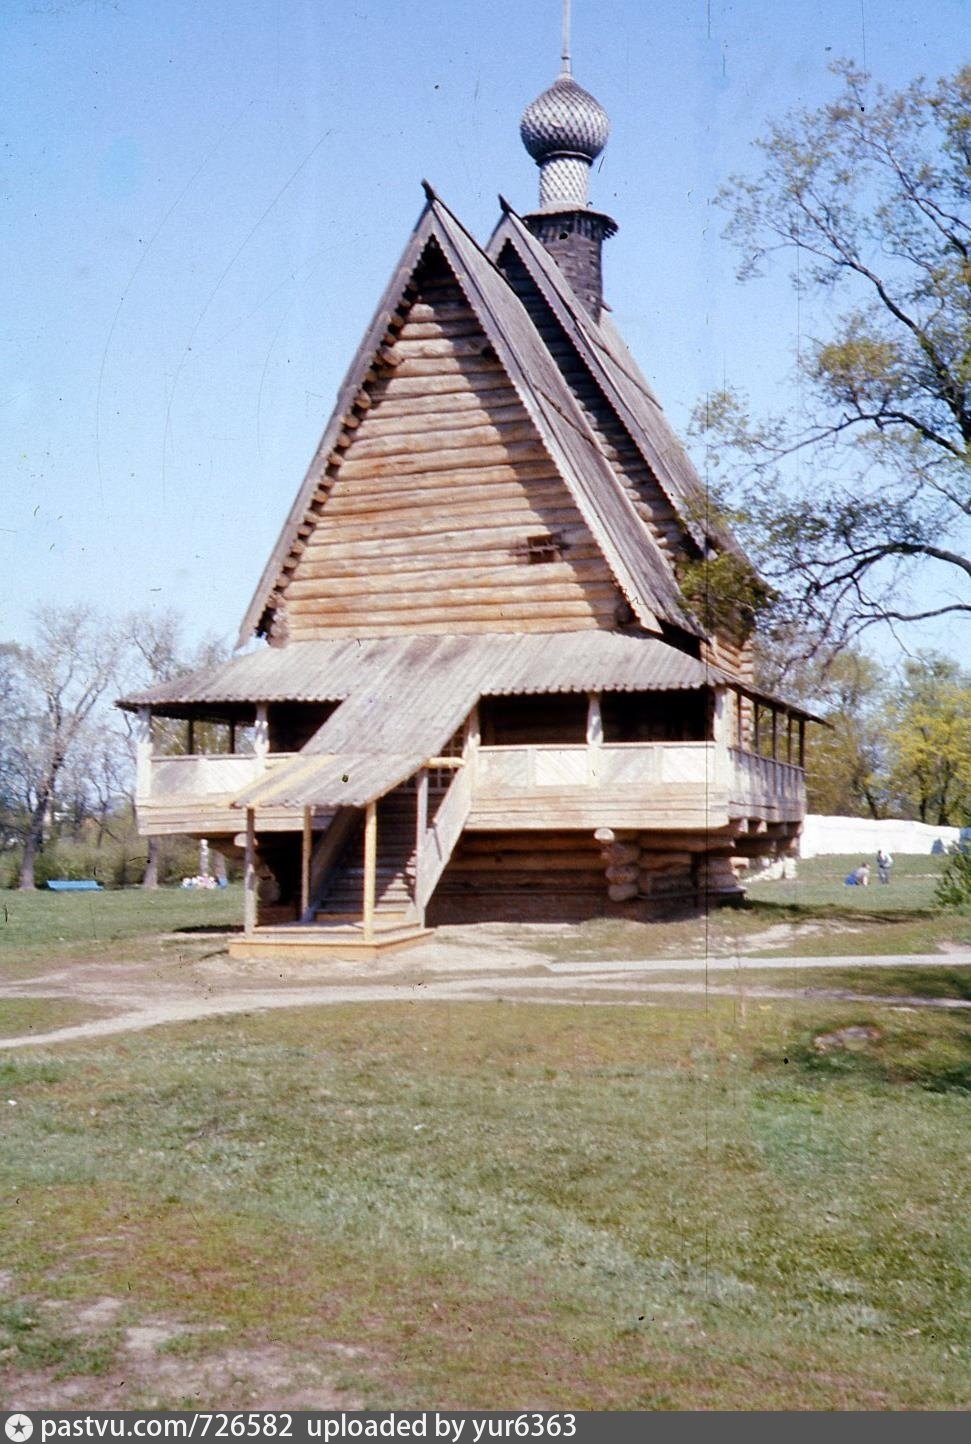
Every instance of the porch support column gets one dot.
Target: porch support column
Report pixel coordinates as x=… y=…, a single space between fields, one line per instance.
x=721 y=733
x=261 y=734
x=370 y=868
x=775 y=735
x=595 y=735
x=789 y=738
x=305 y=854
x=802 y=742
x=421 y=826
x=249 y=913
x=190 y=741
x=143 y=754
x=473 y=737
x=755 y=727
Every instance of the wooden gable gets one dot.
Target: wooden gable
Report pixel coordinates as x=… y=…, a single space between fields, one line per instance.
x=629 y=424
x=443 y=510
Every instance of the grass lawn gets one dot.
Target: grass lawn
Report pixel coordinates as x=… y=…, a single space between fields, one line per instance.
x=489 y=1205
x=814 y=915
x=42 y=926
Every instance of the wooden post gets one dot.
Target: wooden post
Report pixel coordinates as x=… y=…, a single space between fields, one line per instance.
x=775 y=735
x=305 y=854
x=473 y=737
x=249 y=915
x=755 y=727
x=261 y=734
x=789 y=738
x=721 y=733
x=190 y=743
x=370 y=867
x=421 y=827
x=802 y=742
x=232 y=737
x=595 y=736
x=143 y=754
x=421 y=806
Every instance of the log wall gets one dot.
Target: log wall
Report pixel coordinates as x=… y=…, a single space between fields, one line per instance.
x=521 y=876
x=437 y=494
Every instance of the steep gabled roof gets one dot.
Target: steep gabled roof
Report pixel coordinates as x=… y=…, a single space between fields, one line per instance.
x=636 y=562
x=621 y=382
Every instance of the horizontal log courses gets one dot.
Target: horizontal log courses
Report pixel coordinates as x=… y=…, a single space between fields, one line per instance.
x=431 y=495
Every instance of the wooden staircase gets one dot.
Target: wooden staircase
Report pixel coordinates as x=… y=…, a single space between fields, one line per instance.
x=406 y=875
x=343 y=889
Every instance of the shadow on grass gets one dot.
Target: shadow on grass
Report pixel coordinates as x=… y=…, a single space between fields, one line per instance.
x=207 y=929
x=795 y=912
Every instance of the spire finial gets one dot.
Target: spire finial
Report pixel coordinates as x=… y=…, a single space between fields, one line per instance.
x=566 y=66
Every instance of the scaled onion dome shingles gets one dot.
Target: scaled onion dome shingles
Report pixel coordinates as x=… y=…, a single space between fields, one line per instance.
x=564 y=120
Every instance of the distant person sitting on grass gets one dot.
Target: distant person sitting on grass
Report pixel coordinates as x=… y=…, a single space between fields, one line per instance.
x=860 y=876
x=884 y=864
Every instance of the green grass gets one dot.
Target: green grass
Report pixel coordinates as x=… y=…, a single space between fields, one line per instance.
x=512 y=1206
x=821 y=882
x=20 y=1016
x=45 y=925
x=885 y=982
x=899 y=917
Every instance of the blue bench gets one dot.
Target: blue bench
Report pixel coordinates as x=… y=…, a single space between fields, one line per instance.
x=87 y=884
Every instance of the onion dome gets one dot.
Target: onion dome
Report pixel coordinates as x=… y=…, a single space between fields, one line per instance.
x=564 y=120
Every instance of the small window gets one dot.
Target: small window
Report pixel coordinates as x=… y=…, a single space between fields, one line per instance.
x=545 y=548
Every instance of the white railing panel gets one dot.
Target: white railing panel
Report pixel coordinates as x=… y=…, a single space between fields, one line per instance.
x=197 y=776
x=615 y=765
x=559 y=766
x=501 y=768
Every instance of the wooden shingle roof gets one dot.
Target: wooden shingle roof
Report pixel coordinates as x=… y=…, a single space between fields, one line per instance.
x=615 y=372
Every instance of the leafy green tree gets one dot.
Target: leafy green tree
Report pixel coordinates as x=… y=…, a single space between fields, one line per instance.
x=930 y=741
x=870 y=196
x=847 y=760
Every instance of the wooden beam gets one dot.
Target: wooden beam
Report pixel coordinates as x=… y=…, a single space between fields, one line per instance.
x=190 y=737
x=421 y=827
x=305 y=852
x=249 y=914
x=370 y=868
x=775 y=735
x=143 y=754
x=261 y=733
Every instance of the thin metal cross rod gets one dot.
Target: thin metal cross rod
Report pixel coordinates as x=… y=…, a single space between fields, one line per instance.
x=566 y=67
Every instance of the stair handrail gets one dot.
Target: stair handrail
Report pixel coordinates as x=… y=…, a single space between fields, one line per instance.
x=443 y=832
x=326 y=854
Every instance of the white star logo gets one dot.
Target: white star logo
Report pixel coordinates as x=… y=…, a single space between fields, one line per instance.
x=18 y=1427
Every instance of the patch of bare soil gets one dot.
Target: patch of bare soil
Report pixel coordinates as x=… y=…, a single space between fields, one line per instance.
x=146 y=1372
x=783 y=935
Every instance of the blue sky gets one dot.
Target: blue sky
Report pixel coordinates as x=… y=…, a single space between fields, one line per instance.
x=204 y=202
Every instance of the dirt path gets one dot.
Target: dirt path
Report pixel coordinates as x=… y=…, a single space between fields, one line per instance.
x=136 y=997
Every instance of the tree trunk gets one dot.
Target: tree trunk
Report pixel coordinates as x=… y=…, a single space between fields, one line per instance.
x=34 y=841
x=150 y=876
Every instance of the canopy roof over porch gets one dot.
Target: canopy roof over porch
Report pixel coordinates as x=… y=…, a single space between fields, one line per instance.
x=405 y=697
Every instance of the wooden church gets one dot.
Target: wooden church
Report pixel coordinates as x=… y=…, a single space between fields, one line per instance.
x=484 y=692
